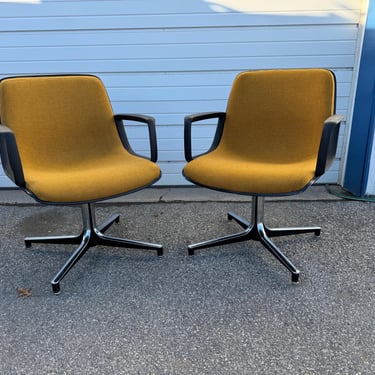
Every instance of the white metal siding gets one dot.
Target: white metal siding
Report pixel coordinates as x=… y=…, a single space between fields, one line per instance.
x=169 y=58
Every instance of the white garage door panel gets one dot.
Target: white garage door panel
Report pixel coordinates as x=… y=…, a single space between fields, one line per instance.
x=50 y=66
x=134 y=21
x=84 y=8
x=183 y=51
x=125 y=38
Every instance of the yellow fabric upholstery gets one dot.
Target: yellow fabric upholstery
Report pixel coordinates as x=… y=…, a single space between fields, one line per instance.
x=272 y=131
x=68 y=141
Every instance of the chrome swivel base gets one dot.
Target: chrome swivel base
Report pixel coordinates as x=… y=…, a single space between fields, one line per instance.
x=257 y=230
x=91 y=236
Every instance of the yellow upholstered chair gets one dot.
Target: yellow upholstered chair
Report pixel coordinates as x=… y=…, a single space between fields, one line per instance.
x=278 y=135
x=61 y=143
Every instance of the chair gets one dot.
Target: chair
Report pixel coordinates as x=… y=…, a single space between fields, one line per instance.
x=277 y=136
x=61 y=144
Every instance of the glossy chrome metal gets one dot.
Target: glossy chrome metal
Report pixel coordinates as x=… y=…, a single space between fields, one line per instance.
x=92 y=235
x=258 y=231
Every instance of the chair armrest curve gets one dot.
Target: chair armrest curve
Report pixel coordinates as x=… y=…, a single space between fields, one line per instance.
x=149 y=120
x=328 y=144
x=189 y=119
x=10 y=157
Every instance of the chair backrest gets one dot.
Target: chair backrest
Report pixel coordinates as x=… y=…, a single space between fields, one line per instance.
x=58 y=120
x=277 y=115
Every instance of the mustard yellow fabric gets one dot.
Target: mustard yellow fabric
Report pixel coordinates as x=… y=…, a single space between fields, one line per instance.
x=68 y=141
x=271 y=134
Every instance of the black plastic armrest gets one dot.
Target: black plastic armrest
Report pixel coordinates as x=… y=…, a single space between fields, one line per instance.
x=10 y=157
x=149 y=120
x=328 y=144
x=199 y=117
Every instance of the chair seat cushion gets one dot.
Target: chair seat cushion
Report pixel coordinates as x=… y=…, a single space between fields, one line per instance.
x=233 y=174
x=92 y=180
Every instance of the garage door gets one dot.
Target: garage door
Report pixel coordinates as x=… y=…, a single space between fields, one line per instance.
x=169 y=58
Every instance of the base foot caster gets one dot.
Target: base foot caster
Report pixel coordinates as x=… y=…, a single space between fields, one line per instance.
x=295 y=277
x=55 y=288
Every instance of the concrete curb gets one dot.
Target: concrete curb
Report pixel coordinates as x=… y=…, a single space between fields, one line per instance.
x=176 y=194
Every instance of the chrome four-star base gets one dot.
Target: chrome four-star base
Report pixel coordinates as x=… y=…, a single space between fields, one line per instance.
x=92 y=235
x=257 y=230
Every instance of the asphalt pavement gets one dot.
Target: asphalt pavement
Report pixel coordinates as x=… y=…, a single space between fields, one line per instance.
x=226 y=310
